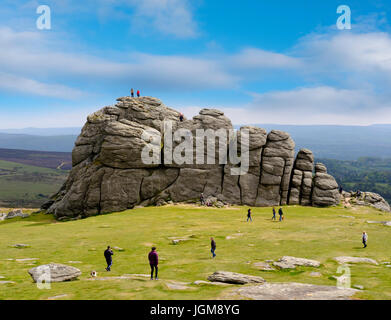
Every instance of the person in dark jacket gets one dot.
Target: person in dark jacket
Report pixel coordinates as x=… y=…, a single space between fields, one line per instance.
x=213 y=247
x=132 y=92
x=181 y=117
x=109 y=259
x=249 y=215
x=281 y=214
x=274 y=214
x=153 y=262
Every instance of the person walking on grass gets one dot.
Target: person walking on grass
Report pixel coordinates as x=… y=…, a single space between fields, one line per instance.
x=281 y=214
x=249 y=215
x=109 y=259
x=364 y=239
x=153 y=262
x=274 y=214
x=132 y=92
x=213 y=247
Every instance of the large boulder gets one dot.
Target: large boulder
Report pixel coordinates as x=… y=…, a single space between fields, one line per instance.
x=234 y=278
x=325 y=189
x=295 y=291
x=301 y=181
x=54 y=272
x=126 y=156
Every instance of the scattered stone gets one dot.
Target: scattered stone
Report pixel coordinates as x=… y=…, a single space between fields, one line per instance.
x=295 y=291
x=385 y=223
x=284 y=265
x=75 y=262
x=269 y=261
x=286 y=262
x=7 y=282
x=57 y=272
x=344 y=259
x=15 y=213
x=358 y=286
x=176 y=285
x=26 y=259
x=315 y=274
x=234 y=278
x=351 y=217
x=202 y=282
x=264 y=266
x=118 y=249
x=58 y=297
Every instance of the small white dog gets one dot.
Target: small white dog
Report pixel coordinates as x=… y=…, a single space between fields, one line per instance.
x=94 y=274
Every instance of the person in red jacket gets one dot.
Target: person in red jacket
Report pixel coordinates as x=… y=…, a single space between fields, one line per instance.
x=138 y=93
x=153 y=262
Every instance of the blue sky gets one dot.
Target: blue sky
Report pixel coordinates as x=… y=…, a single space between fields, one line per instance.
x=259 y=61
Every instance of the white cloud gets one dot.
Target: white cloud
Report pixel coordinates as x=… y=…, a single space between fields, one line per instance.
x=9 y=82
x=318 y=105
x=170 y=17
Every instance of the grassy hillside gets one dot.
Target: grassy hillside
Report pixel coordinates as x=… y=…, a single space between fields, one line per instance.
x=365 y=174
x=315 y=233
x=23 y=185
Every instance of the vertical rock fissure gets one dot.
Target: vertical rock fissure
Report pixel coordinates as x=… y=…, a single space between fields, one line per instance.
x=260 y=173
x=282 y=180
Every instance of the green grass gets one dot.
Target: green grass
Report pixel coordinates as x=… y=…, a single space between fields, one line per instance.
x=23 y=185
x=307 y=232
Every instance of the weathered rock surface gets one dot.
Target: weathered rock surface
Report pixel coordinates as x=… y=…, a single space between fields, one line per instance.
x=385 y=223
x=295 y=291
x=14 y=214
x=301 y=183
x=377 y=201
x=287 y=260
x=55 y=272
x=344 y=259
x=234 y=278
x=325 y=188
x=110 y=173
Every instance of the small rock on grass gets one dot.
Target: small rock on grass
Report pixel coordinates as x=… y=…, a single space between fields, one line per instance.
x=358 y=286
x=264 y=266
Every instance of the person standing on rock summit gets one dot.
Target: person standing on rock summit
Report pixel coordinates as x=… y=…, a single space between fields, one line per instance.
x=109 y=259
x=153 y=262
x=364 y=239
x=138 y=93
x=132 y=92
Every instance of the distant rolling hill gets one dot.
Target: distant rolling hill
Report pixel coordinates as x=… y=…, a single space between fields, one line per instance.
x=339 y=142
x=52 y=160
x=61 y=143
